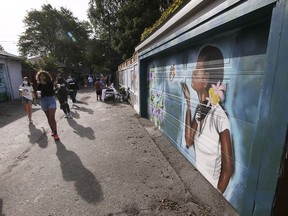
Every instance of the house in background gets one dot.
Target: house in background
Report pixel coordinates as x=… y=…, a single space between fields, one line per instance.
x=10 y=76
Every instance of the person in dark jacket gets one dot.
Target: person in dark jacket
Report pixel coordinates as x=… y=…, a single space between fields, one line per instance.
x=73 y=88
x=62 y=90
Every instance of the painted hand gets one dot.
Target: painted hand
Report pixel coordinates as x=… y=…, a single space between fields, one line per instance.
x=185 y=90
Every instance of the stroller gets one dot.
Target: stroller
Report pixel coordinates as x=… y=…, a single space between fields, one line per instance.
x=109 y=92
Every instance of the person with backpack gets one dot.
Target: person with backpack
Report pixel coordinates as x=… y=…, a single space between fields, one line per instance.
x=73 y=88
x=62 y=91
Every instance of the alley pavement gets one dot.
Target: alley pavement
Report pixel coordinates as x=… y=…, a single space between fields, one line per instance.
x=108 y=162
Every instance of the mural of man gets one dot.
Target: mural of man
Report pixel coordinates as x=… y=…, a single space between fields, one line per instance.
x=209 y=130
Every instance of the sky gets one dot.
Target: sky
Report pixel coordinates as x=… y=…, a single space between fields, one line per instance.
x=12 y=13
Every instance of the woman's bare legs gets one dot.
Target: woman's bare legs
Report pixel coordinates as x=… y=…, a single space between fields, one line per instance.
x=50 y=114
x=28 y=110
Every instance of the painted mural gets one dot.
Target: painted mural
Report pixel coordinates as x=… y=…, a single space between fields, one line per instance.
x=155 y=100
x=208 y=130
x=134 y=97
x=3 y=89
x=128 y=78
x=205 y=99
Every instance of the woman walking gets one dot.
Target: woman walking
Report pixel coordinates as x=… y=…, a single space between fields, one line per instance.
x=48 y=103
x=27 y=92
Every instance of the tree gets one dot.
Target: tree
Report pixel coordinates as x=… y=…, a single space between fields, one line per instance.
x=1 y=48
x=133 y=18
x=120 y=23
x=164 y=4
x=103 y=16
x=96 y=56
x=56 y=33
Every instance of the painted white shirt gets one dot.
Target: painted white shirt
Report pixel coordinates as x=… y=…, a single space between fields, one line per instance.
x=208 y=146
x=26 y=91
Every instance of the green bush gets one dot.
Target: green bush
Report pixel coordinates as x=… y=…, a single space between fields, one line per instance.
x=169 y=12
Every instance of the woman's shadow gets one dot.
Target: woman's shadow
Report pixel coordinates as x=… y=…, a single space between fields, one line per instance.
x=73 y=170
x=38 y=136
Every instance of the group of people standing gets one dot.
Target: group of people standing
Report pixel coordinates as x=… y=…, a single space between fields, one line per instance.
x=46 y=90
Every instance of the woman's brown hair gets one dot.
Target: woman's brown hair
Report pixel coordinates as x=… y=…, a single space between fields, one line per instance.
x=46 y=74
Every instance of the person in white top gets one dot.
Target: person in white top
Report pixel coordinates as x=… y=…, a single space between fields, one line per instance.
x=28 y=96
x=90 y=81
x=209 y=129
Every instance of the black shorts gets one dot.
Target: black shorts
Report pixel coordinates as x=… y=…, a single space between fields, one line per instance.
x=99 y=92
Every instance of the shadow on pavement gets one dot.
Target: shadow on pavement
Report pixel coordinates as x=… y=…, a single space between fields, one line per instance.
x=75 y=114
x=38 y=136
x=86 y=90
x=11 y=111
x=83 y=109
x=72 y=168
x=82 y=102
x=1 y=207
x=81 y=130
x=116 y=102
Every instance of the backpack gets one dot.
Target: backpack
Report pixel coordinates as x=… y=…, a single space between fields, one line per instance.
x=62 y=89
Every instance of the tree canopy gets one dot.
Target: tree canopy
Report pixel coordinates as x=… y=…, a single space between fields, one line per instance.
x=56 y=33
x=116 y=25
x=120 y=23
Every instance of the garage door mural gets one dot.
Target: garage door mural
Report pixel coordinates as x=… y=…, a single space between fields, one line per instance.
x=3 y=89
x=206 y=98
